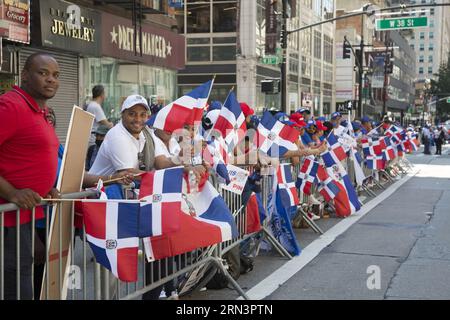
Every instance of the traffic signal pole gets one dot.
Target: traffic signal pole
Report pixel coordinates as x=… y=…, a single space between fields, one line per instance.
x=283 y=71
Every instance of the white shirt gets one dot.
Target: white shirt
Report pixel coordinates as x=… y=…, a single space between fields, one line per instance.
x=95 y=109
x=162 y=150
x=118 y=151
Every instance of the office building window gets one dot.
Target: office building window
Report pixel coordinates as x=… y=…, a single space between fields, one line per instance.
x=431 y=35
x=431 y=23
x=430 y=58
x=421 y=70
x=420 y=58
x=422 y=35
x=432 y=11
x=431 y=47
x=421 y=47
x=430 y=70
x=198 y=18
x=224 y=17
x=412 y=46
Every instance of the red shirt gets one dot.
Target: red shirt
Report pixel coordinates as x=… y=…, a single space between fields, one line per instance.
x=28 y=149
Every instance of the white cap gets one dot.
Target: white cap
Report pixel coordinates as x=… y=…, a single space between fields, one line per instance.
x=133 y=100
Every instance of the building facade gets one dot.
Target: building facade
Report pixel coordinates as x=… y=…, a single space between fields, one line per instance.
x=230 y=39
x=104 y=47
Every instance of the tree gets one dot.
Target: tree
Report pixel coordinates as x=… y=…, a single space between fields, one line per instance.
x=441 y=89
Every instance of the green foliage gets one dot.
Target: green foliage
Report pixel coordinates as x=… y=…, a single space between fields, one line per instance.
x=441 y=88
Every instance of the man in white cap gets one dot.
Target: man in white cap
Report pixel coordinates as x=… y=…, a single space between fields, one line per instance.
x=123 y=146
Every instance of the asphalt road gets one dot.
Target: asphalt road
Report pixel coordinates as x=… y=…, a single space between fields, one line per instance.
x=400 y=249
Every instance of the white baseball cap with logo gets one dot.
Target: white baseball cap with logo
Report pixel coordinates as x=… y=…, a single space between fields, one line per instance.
x=133 y=100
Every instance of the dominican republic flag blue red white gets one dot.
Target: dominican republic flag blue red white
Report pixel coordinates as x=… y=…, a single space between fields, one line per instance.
x=112 y=233
x=327 y=187
x=231 y=122
x=205 y=220
x=213 y=156
x=253 y=208
x=371 y=147
x=346 y=201
x=185 y=110
x=335 y=149
x=389 y=153
x=375 y=162
x=275 y=138
x=307 y=175
x=161 y=189
x=395 y=133
x=286 y=186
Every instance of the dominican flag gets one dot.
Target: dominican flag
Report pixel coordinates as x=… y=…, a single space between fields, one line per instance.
x=307 y=175
x=185 y=110
x=375 y=162
x=254 y=210
x=286 y=186
x=112 y=233
x=274 y=138
x=371 y=147
x=327 y=187
x=205 y=220
x=231 y=122
x=414 y=143
x=389 y=153
x=213 y=156
x=335 y=148
x=346 y=201
x=161 y=189
x=395 y=133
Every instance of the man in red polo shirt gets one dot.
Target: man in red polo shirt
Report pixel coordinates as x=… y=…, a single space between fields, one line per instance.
x=29 y=155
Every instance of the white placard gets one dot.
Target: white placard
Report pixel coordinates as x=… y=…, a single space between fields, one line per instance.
x=238 y=179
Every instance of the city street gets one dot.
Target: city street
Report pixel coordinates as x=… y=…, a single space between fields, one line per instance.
x=405 y=238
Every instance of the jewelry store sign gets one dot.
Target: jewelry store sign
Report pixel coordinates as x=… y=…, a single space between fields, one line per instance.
x=67 y=26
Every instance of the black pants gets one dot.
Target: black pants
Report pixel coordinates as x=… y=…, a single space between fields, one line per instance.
x=426 y=144
x=10 y=262
x=438 y=147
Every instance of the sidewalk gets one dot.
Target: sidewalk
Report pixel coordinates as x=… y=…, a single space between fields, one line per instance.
x=406 y=236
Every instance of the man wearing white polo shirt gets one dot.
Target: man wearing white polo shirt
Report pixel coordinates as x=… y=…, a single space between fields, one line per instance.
x=123 y=146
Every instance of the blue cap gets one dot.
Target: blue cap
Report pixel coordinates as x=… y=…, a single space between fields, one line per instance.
x=336 y=114
x=365 y=119
x=301 y=110
x=356 y=125
x=215 y=105
x=310 y=123
x=322 y=119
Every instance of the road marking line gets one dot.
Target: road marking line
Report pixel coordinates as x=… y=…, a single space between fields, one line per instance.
x=290 y=268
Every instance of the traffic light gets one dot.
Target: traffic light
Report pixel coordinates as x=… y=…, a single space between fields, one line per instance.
x=347 y=50
x=390 y=63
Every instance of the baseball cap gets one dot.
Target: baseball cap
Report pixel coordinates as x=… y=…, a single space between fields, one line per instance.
x=365 y=119
x=322 y=119
x=246 y=109
x=298 y=118
x=215 y=105
x=311 y=123
x=320 y=126
x=133 y=100
x=301 y=110
x=335 y=115
x=356 y=125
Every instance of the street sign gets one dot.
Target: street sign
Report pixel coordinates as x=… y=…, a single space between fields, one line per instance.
x=401 y=23
x=269 y=60
x=448 y=100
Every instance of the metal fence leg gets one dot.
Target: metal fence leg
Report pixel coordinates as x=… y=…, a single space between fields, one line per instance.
x=233 y=282
x=281 y=250
x=310 y=222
